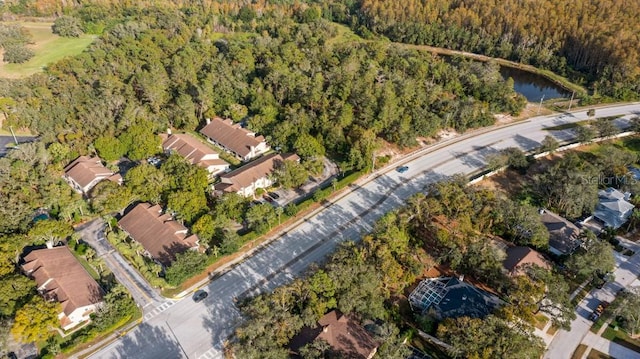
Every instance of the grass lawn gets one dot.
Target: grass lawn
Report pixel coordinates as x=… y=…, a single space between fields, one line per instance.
x=594 y=354
x=580 y=350
x=48 y=48
x=567 y=126
x=621 y=337
x=541 y=321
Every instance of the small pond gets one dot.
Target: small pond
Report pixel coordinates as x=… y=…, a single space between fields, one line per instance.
x=533 y=86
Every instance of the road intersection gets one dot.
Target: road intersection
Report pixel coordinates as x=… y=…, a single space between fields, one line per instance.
x=199 y=330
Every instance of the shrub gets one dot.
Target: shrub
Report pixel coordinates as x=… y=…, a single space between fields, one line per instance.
x=67 y=26
x=17 y=54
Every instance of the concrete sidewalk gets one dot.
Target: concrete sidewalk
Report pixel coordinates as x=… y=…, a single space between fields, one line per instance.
x=603 y=345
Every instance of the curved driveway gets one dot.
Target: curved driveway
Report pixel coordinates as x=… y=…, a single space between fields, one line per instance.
x=198 y=330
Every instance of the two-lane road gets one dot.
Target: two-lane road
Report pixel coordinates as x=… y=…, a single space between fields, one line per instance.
x=199 y=330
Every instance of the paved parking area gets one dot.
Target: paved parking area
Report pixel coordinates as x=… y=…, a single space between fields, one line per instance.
x=8 y=140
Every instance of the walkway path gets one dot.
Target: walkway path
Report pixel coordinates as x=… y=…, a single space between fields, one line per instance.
x=603 y=345
x=566 y=342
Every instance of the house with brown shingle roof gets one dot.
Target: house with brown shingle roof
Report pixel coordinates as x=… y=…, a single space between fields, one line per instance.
x=256 y=174
x=160 y=235
x=194 y=151
x=564 y=236
x=234 y=139
x=519 y=258
x=85 y=172
x=60 y=277
x=345 y=336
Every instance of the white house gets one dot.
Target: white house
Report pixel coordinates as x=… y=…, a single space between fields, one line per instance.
x=60 y=277
x=240 y=142
x=252 y=176
x=613 y=209
x=195 y=152
x=85 y=172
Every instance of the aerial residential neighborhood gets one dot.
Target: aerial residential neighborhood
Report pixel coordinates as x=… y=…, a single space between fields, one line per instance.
x=320 y=179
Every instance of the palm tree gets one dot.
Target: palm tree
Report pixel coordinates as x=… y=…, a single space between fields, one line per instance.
x=90 y=254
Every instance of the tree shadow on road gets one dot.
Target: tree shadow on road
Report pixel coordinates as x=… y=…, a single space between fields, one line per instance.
x=148 y=341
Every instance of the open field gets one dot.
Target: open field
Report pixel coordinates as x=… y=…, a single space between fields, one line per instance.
x=48 y=47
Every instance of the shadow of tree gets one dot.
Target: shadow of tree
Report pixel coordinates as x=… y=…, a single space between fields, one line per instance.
x=148 y=341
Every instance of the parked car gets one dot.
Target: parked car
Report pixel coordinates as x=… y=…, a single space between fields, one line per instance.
x=402 y=169
x=274 y=195
x=268 y=199
x=598 y=311
x=200 y=295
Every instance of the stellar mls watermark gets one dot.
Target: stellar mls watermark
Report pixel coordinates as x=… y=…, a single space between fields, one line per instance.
x=611 y=181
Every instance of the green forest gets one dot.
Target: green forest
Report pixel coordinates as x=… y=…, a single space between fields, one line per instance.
x=595 y=42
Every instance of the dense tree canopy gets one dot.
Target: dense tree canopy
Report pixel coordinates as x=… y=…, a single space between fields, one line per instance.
x=598 y=38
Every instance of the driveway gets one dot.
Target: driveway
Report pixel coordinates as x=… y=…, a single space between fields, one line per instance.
x=146 y=297
x=566 y=342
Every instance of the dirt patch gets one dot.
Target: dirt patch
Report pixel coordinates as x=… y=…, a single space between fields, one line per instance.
x=512 y=183
x=532 y=110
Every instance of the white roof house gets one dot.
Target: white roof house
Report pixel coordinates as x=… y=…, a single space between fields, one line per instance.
x=613 y=209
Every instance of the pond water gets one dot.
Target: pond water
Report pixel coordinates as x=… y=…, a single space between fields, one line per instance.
x=533 y=86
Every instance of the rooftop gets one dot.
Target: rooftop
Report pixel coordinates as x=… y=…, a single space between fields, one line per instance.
x=613 y=209
x=342 y=333
x=191 y=149
x=520 y=257
x=231 y=136
x=70 y=283
x=563 y=235
x=158 y=233
x=83 y=170
x=244 y=176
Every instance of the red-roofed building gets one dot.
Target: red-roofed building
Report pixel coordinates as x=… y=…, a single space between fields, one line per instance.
x=85 y=172
x=256 y=174
x=160 y=235
x=195 y=152
x=345 y=336
x=518 y=258
x=231 y=137
x=60 y=277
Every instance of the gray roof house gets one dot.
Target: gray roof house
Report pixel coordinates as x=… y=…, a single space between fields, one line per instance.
x=563 y=235
x=450 y=297
x=613 y=209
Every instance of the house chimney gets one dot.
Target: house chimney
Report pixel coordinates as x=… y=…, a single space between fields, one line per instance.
x=49 y=244
x=169 y=131
x=325 y=329
x=461 y=278
x=208 y=121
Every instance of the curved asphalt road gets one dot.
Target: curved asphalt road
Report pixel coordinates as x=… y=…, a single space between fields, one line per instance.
x=198 y=330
